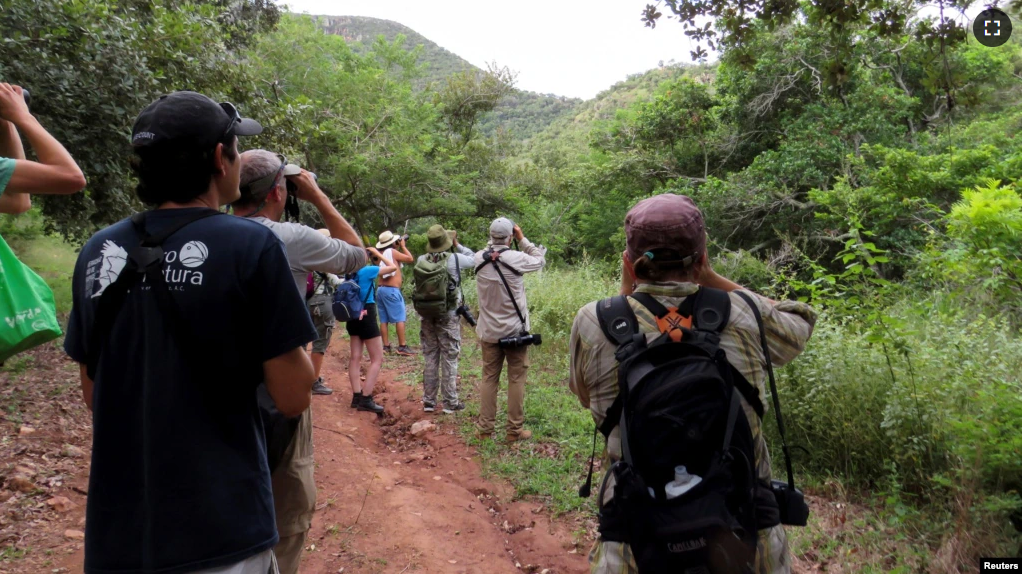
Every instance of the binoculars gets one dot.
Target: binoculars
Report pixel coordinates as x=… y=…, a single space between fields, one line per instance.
x=466 y=314
x=522 y=340
x=28 y=96
x=293 y=188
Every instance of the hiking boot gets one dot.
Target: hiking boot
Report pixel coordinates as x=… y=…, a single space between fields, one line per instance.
x=451 y=409
x=484 y=435
x=521 y=435
x=355 y=400
x=428 y=406
x=318 y=388
x=405 y=351
x=367 y=404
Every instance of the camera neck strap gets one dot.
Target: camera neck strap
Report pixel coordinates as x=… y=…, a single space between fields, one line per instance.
x=457 y=267
x=493 y=256
x=773 y=386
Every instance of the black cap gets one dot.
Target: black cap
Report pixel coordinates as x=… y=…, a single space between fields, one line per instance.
x=189 y=119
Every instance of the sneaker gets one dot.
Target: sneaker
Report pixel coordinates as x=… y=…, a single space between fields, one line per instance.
x=522 y=435
x=404 y=350
x=451 y=409
x=388 y=349
x=367 y=404
x=484 y=435
x=355 y=400
x=428 y=406
x=318 y=388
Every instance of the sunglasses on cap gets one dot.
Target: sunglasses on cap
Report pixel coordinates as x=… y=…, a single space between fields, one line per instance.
x=233 y=113
x=266 y=183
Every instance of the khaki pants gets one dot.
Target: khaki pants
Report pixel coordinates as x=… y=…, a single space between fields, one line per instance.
x=289 y=552
x=294 y=496
x=517 y=368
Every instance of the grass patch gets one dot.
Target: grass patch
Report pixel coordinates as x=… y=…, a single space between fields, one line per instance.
x=54 y=261
x=890 y=439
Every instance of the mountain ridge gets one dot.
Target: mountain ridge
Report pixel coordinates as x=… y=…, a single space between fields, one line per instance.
x=524 y=113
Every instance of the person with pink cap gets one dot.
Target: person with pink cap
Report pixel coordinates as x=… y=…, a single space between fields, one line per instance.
x=665 y=263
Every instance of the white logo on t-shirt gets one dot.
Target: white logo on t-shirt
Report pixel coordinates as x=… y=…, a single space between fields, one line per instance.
x=193 y=254
x=114 y=260
x=179 y=267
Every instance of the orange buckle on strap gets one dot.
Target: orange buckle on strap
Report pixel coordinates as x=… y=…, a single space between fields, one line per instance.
x=672 y=323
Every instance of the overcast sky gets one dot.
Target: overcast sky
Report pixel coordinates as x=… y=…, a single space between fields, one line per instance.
x=565 y=48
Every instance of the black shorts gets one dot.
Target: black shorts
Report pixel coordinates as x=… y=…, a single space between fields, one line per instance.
x=366 y=328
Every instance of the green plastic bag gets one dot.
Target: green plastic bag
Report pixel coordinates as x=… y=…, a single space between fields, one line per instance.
x=28 y=317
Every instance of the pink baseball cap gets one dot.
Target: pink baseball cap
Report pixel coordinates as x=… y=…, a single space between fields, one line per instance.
x=668 y=222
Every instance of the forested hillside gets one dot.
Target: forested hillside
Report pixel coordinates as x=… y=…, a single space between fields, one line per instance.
x=439 y=62
x=862 y=158
x=522 y=113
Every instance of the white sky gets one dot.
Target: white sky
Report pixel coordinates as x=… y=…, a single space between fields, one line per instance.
x=556 y=47
x=564 y=48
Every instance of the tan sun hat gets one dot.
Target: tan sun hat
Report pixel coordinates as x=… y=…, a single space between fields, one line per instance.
x=386 y=240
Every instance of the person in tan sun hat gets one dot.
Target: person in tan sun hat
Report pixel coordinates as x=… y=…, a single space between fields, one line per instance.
x=389 y=300
x=437 y=299
x=665 y=263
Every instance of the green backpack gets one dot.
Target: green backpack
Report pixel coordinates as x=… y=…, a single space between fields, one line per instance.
x=434 y=294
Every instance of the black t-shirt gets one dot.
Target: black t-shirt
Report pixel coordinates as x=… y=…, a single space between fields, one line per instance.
x=179 y=479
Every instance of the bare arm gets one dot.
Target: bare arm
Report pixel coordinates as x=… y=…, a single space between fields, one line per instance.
x=384 y=269
x=10 y=142
x=86 y=385
x=10 y=147
x=56 y=171
x=402 y=255
x=289 y=379
x=339 y=227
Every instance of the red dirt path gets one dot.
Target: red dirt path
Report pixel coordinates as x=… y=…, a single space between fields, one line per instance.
x=427 y=508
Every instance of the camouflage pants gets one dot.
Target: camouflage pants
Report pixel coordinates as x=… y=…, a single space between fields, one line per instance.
x=441 y=346
x=772 y=556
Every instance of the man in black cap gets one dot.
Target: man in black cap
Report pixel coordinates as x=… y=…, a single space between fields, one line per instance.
x=180 y=480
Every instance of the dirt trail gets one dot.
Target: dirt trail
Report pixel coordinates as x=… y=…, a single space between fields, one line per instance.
x=388 y=502
x=427 y=508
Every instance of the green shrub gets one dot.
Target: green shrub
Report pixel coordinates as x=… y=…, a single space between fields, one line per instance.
x=24 y=227
x=941 y=394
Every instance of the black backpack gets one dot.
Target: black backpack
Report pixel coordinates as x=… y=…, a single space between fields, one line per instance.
x=679 y=405
x=146 y=261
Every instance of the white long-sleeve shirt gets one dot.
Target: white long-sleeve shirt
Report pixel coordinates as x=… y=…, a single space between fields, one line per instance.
x=497 y=316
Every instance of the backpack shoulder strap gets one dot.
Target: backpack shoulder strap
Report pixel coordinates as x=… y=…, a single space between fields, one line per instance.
x=143 y=259
x=620 y=326
x=711 y=309
x=486 y=259
x=148 y=240
x=617 y=319
x=492 y=257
